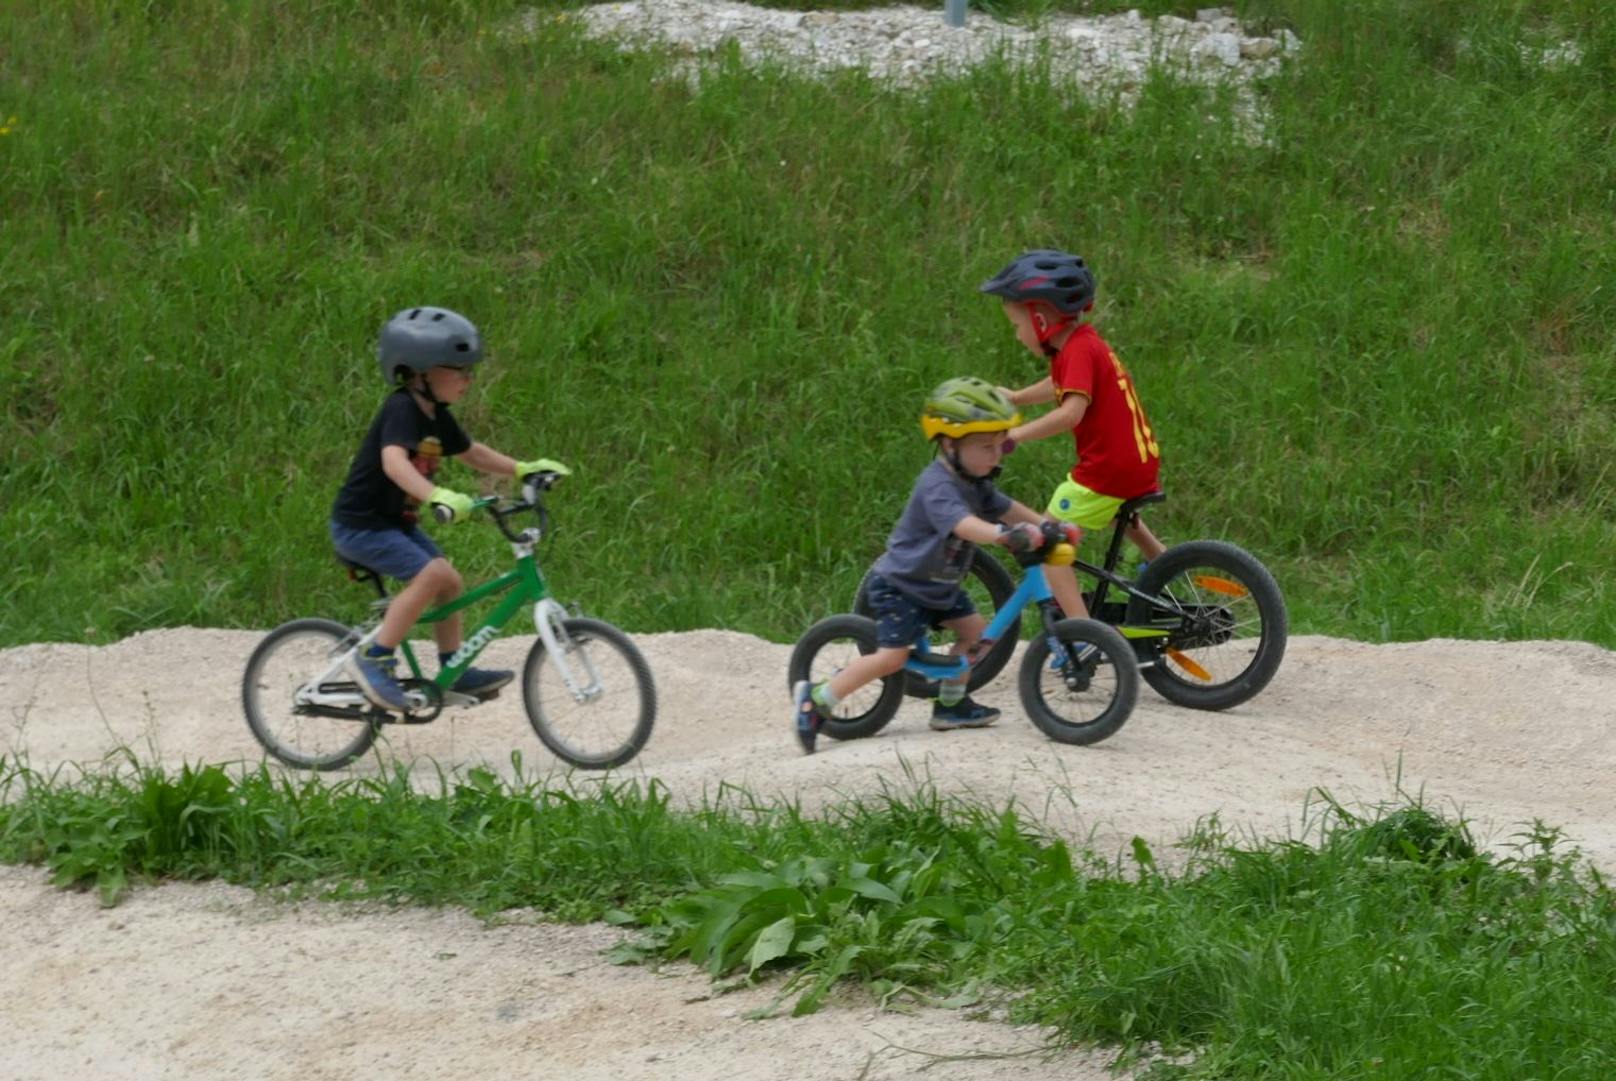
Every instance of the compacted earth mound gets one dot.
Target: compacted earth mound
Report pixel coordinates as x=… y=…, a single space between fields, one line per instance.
x=207 y=980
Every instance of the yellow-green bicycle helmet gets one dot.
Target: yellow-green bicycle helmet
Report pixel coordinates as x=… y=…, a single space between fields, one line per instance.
x=966 y=404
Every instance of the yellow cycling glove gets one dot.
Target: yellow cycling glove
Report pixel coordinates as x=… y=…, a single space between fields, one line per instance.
x=458 y=504
x=541 y=465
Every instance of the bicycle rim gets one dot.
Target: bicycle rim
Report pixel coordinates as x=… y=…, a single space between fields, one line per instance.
x=605 y=717
x=1219 y=639
x=859 y=709
x=288 y=659
x=1081 y=695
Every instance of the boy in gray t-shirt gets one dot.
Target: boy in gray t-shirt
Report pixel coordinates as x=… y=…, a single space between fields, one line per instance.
x=915 y=585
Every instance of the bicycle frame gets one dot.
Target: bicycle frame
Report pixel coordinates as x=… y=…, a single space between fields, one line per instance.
x=1034 y=589
x=526 y=586
x=1104 y=578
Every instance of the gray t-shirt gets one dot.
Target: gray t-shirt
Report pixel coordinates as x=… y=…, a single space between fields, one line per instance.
x=924 y=559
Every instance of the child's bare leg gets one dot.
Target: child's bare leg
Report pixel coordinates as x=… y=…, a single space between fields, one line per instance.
x=967 y=633
x=869 y=666
x=416 y=596
x=447 y=631
x=1144 y=540
x=1063 y=584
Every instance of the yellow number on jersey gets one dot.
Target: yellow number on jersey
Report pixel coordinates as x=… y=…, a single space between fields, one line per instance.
x=1143 y=438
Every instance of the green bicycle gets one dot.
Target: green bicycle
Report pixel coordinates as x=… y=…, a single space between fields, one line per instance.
x=586 y=688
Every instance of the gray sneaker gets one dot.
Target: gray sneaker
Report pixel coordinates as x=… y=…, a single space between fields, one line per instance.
x=374 y=675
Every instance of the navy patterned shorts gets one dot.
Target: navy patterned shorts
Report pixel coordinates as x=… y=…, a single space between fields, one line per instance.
x=899 y=620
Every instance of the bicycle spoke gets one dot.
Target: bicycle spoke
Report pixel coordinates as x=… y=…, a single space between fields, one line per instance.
x=1218 y=606
x=591 y=701
x=831 y=659
x=282 y=672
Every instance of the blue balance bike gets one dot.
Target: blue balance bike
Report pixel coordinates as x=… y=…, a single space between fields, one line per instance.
x=1079 y=678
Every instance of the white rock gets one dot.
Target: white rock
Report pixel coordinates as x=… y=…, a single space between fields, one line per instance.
x=1222 y=47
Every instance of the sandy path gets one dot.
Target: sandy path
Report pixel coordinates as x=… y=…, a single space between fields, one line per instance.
x=187 y=981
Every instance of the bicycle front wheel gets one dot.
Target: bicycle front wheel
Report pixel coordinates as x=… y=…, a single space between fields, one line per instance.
x=326 y=733
x=1084 y=692
x=593 y=703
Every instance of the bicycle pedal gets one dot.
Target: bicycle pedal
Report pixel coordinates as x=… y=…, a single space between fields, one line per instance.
x=456 y=698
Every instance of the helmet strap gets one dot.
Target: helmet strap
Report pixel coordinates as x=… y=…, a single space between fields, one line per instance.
x=1048 y=328
x=424 y=388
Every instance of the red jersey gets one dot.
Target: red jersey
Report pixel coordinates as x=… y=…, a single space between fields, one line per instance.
x=1117 y=453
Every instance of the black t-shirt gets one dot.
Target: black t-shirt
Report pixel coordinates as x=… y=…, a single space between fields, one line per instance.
x=369 y=499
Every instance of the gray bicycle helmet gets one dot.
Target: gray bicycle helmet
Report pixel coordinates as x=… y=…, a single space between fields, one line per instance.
x=417 y=339
x=1054 y=277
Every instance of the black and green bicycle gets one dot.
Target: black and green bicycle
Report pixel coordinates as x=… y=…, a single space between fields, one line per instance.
x=587 y=690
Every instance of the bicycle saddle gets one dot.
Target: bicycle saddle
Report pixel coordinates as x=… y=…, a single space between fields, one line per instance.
x=1132 y=506
x=361 y=573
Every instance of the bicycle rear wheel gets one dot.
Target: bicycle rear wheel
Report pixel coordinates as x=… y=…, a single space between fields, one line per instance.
x=1228 y=640
x=1087 y=692
x=825 y=649
x=605 y=717
x=309 y=736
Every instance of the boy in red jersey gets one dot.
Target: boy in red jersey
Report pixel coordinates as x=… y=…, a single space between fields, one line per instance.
x=1045 y=295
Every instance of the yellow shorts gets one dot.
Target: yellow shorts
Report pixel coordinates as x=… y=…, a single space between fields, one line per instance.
x=1083 y=507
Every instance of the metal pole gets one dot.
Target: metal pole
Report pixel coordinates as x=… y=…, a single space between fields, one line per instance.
x=954 y=12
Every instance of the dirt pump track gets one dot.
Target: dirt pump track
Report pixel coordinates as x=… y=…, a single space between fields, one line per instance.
x=201 y=981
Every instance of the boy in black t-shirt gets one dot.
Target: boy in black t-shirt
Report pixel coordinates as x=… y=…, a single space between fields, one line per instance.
x=428 y=355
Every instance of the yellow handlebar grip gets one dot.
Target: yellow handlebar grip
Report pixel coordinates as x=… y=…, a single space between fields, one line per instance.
x=1061 y=555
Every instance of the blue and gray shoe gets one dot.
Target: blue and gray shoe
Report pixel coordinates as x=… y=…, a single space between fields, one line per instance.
x=962 y=714
x=484 y=683
x=807 y=717
x=374 y=676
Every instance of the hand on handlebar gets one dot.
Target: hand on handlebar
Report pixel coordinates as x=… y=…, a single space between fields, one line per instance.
x=1021 y=537
x=541 y=465
x=1057 y=532
x=449 y=505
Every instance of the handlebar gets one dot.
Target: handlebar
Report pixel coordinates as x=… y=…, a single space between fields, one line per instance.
x=533 y=487
x=1055 y=546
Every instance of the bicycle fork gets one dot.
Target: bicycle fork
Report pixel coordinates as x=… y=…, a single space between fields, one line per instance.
x=1062 y=654
x=548 y=615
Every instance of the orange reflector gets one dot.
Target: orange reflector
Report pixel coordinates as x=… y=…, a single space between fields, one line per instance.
x=1219 y=585
x=1190 y=666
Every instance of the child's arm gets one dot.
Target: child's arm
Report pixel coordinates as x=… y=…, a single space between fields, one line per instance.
x=1063 y=418
x=485 y=459
x=1036 y=394
x=981 y=531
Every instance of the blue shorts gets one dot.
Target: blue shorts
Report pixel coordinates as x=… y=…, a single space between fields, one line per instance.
x=900 y=620
x=398 y=553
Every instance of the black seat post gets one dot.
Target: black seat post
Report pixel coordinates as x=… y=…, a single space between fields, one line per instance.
x=358 y=572
x=1127 y=515
x=1113 y=551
